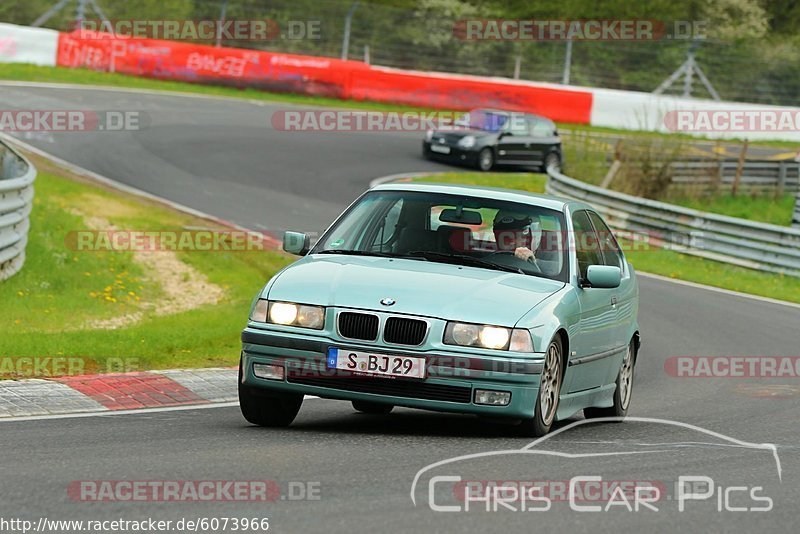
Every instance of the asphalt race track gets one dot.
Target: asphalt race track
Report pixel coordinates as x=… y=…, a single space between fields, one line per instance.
x=223 y=157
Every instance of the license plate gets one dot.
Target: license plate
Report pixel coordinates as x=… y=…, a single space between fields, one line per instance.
x=440 y=149
x=375 y=364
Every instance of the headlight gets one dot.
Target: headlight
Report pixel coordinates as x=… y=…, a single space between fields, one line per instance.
x=289 y=314
x=468 y=141
x=429 y=135
x=488 y=337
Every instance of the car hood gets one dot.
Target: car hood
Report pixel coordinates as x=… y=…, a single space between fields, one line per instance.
x=424 y=288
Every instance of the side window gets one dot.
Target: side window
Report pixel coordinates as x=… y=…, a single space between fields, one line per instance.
x=518 y=126
x=541 y=128
x=609 y=247
x=586 y=242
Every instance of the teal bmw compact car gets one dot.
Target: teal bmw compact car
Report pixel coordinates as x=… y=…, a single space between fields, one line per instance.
x=451 y=298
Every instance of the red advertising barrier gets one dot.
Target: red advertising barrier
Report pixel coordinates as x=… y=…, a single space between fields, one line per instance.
x=449 y=91
x=316 y=76
x=206 y=64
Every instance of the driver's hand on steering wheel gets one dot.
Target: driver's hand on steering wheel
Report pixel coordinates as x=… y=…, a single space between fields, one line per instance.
x=524 y=253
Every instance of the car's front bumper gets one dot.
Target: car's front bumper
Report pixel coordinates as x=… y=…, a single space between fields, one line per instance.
x=456 y=155
x=449 y=386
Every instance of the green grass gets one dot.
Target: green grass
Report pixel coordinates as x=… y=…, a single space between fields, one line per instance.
x=761 y=208
x=51 y=308
x=652 y=260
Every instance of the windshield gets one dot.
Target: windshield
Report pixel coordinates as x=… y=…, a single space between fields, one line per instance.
x=482 y=120
x=470 y=231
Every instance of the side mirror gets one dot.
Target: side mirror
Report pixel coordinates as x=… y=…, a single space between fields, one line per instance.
x=603 y=276
x=296 y=243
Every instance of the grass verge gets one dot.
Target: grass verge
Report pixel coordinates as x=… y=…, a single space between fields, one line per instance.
x=761 y=208
x=141 y=310
x=652 y=260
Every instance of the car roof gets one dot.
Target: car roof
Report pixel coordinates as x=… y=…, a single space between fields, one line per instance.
x=495 y=193
x=507 y=112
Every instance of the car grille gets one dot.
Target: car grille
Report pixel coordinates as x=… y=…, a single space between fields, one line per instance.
x=388 y=386
x=404 y=331
x=358 y=326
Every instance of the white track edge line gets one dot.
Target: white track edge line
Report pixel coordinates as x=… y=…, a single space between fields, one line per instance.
x=98 y=413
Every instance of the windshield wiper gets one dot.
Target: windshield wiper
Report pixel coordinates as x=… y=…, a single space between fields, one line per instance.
x=462 y=258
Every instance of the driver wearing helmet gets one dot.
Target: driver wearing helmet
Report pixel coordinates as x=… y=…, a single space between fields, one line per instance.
x=513 y=233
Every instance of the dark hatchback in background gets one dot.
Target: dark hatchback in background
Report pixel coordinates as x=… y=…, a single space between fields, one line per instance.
x=486 y=138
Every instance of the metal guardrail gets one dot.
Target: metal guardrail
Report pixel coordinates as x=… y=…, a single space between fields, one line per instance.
x=765 y=247
x=16 y=199
x=778 y=176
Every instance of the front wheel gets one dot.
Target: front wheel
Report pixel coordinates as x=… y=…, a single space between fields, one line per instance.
x=622 y=395
x=549 y=390
x=552 y=161
x=372 y=407
x=486 y=159
x=267 y=408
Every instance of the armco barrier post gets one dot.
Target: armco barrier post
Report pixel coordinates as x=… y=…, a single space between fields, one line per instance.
x=16 y=198
x=796 y=216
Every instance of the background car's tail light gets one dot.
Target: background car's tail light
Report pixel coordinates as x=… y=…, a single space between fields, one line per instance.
x=492 y=398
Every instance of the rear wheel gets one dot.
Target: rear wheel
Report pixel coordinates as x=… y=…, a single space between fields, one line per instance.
x=549 y=390
x=622 y=395
x=486 y=159
x=372 y=407
x=268 y=408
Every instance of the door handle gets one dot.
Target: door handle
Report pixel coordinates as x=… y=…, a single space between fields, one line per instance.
x=613 y=301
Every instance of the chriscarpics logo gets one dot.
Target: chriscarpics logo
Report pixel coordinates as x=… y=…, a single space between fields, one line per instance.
x=643 y=466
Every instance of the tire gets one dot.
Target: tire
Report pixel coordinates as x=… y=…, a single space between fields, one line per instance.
x=486 y=159
x=267 y=408
x=372 y=407
x=544 y=413
x=552 y=160
x=623 y=392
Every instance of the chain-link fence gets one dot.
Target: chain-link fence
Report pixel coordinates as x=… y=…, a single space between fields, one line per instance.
x=422 y=38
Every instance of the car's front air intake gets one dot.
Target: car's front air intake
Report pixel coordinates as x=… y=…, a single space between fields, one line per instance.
x=358 y=326
x=404 y=331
